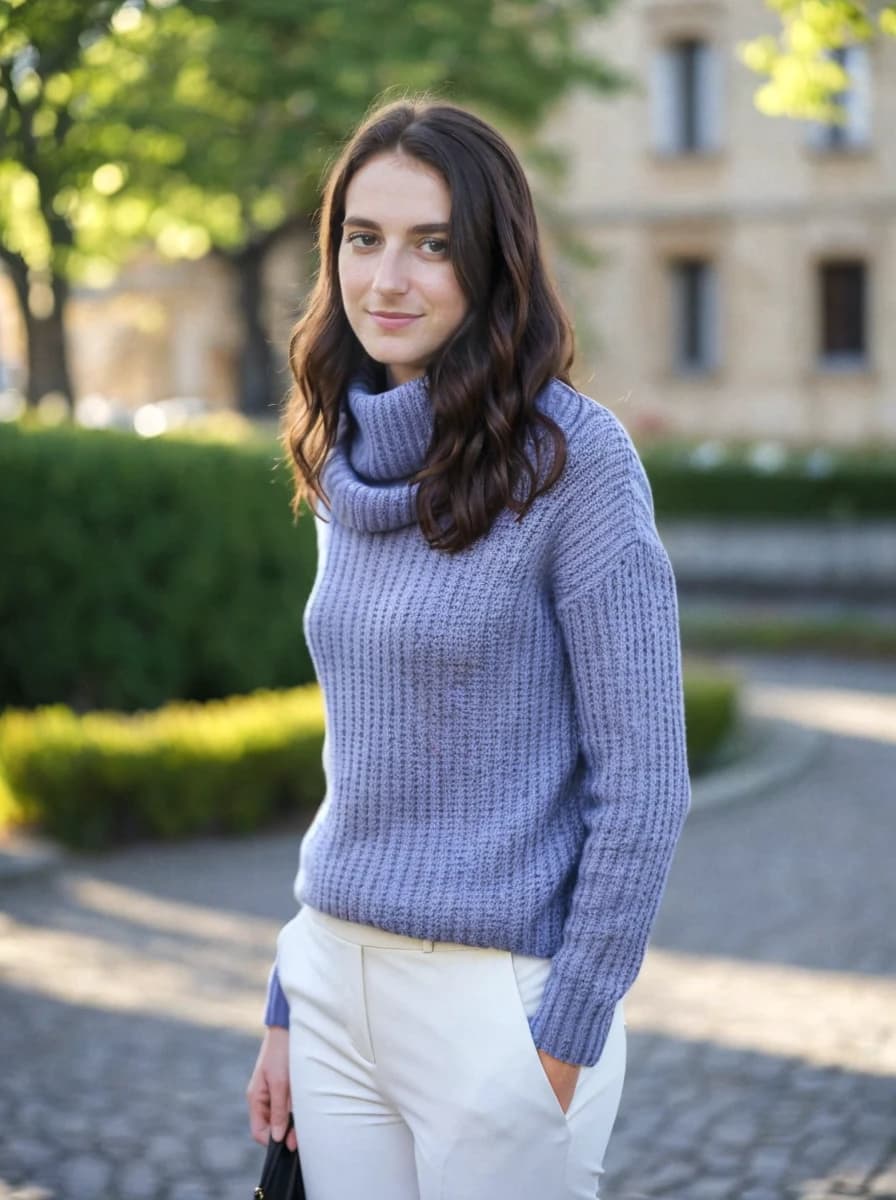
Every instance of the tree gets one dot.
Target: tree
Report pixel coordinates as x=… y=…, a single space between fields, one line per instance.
x=206 y=124
x=803 y=79
x=67 y=151
x=35 y=238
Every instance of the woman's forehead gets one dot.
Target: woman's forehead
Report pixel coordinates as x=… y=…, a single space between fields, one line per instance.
x=396 y=191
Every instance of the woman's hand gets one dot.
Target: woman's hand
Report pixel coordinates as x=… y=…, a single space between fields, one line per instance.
x=563 y=1077
x=268 y=1092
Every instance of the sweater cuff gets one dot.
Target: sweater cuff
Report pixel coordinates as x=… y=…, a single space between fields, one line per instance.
x=569 y=1025
x=277 y=1008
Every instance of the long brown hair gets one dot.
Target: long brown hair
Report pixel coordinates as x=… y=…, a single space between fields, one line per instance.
x=483 y=381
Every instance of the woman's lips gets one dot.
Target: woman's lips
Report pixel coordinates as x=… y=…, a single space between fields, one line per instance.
x=393 y=320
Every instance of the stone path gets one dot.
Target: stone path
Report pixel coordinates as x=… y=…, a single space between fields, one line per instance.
x=762 y=1031
x=764 y=1021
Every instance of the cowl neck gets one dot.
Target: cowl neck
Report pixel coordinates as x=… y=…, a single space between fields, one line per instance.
x=382 y=440
x=383 y=436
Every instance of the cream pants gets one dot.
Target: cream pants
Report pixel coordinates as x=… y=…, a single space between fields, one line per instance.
x=414 y=1075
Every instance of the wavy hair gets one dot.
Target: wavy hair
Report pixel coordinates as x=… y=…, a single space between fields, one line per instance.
x=484 y=379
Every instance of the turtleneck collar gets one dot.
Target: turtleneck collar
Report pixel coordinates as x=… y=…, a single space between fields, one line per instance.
x=366 y=474
x=393 y=429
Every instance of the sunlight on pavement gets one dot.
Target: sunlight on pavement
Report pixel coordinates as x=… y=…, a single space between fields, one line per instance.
x=219 y=983
x=172 y=960
x=825 y=1018
x=194 y=920
x=90 y=972
x=837 y=710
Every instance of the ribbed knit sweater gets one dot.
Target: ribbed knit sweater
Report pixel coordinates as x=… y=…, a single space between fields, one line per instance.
x=504 y=744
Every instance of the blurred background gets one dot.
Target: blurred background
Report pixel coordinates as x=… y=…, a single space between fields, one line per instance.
x=716 y=186
x=161 y=164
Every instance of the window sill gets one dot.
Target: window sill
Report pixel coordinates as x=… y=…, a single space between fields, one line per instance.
x=859 y=150
x=843 y=368
x=702 y=376
x=664 y=158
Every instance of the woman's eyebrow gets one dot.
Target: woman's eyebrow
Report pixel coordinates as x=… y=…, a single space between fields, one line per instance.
x=366 y=223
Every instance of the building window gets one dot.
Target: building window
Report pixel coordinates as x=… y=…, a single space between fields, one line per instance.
x=685 y=98
x=843 y=290
x=695 y=318
x=856 y=102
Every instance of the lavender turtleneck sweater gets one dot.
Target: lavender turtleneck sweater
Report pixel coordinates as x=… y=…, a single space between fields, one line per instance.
x=505 y=739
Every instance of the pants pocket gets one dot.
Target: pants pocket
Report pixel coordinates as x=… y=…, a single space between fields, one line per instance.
x=527 y=977
x=507 y=1134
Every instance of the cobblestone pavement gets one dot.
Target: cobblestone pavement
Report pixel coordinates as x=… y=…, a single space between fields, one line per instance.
x=762 y=1030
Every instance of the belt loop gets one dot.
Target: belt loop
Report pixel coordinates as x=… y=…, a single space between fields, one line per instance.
x=427 y=946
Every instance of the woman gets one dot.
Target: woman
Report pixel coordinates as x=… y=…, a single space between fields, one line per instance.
x=494 y=625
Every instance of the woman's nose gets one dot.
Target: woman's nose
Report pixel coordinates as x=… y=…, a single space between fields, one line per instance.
x=391 y=275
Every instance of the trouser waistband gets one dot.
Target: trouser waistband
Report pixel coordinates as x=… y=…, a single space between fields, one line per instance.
x=372 y=935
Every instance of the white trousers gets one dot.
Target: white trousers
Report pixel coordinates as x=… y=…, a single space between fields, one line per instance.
x=414 y=1075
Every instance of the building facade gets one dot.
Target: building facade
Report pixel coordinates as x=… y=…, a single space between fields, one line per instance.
x=746 y=277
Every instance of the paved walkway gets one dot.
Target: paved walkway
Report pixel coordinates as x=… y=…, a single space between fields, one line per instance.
x=762 y=1031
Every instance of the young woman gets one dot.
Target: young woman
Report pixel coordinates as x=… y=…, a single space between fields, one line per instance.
x=494 y=625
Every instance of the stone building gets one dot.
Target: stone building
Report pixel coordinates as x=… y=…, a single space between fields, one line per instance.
x=747 y=266
x=163 y=329
x=749 y=263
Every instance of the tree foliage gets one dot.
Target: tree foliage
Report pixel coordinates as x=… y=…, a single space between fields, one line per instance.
x=207 y=123
x=802 y=77
x=100 y=104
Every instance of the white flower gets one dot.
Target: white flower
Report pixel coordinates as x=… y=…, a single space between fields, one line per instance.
x=707 y=455
x=767 y=456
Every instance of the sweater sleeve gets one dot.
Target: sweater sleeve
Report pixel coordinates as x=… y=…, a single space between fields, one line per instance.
x=621 y=634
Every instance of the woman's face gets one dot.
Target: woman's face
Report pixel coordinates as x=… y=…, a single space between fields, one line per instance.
x=399 y=290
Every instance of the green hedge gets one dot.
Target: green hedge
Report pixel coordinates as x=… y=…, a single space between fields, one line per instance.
x=849 y=636
x=140 y=570
x=228 y=766
x=802 y=486
x=224 y=767
x=712 y=712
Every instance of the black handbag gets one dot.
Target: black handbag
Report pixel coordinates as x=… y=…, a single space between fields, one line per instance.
x=281 y=1174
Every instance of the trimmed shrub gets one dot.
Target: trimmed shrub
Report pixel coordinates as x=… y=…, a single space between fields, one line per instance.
x=850 y=636
x=828 y=485
x=711 y=712
x=229 y=766
x=136 y=571
x=10 y=809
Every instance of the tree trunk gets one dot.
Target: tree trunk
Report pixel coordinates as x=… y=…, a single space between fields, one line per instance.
x=256 y=375
x=48 y=369
x=47 y=350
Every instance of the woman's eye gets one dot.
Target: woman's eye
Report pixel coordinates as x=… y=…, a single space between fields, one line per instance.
x=366 y=241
